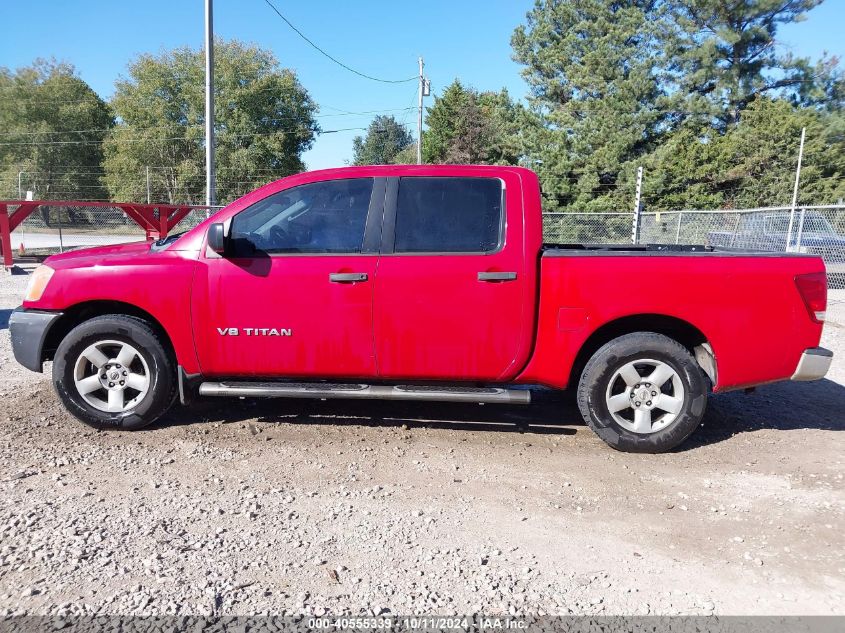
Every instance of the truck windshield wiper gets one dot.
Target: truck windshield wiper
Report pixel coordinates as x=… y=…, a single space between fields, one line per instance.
x=160 y=245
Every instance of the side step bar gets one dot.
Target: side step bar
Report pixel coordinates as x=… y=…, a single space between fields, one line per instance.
x=360 y=391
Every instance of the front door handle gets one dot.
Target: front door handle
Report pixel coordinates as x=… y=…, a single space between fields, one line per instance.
x=347 y=278
x=496 y=276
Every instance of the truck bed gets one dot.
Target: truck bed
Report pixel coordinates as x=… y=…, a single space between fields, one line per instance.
x=745 y=304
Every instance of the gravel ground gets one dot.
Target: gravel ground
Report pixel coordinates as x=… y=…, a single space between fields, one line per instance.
x=289 y=507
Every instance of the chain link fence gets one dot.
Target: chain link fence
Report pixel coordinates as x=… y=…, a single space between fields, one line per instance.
x=818 y=229
x=194 y=217
x=54 y=229
x=588 y=228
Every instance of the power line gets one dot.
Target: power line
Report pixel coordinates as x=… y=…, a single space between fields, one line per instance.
x=174 y=138
x=200 y=125
x=88 y=170
x=179 y=79
x=334 y=59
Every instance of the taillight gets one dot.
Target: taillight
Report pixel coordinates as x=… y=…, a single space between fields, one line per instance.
x=813 y=290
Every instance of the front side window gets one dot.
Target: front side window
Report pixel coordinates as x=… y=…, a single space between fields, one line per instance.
x=448 y=215
x=320 y=217
x=815 y=223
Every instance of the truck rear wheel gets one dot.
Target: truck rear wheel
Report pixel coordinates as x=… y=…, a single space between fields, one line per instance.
x=642 y=393
x=114 y=372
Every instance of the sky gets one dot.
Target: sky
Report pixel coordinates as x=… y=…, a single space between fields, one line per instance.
x=467 y=39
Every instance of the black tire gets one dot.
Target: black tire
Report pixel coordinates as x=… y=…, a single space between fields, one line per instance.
x=594 y=386
x=160 y=394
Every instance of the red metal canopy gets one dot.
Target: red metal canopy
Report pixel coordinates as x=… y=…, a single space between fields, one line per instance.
x=157 y=220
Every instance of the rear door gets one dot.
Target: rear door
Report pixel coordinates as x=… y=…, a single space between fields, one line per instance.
x=449 y=287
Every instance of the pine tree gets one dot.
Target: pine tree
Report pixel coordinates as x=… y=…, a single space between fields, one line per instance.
x=726 y=56
x=594 y=68
x=620 y=83
x=384 y=141
x=470 y=127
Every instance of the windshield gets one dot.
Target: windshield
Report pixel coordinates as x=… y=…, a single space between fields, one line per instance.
x=813 y=223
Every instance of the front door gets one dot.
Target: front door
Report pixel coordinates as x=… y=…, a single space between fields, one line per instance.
x=293 y=295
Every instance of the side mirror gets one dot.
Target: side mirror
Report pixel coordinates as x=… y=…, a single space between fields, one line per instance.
x=216 y=238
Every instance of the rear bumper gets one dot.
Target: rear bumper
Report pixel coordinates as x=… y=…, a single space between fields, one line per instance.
x=814 y=364
x=28 y=330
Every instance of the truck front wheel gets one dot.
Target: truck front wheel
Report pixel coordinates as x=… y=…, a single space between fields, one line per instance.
x=114 y=372
x=642 y=393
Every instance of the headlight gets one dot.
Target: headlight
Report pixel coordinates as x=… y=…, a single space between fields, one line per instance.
x=38 y=282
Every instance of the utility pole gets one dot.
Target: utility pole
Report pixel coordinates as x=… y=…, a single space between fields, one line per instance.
x=795 y=188
x=209 y=106
x=420 y=113
x=148 y=184
x=635 y=226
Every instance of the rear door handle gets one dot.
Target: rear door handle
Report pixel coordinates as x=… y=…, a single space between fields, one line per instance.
x=347 y=278
x=496 y=276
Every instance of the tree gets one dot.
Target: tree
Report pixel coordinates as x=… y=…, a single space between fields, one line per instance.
x=726 y=56
x=620 y=83
x=509 y=125
x=685 y=172
x=441 y=118
x=465 y=126
x=385 y=140
x=53 y=125
x=595 y=70
x=753 y=164
x=761 y=154
x=471 y=133
x=264 y=121
x=407 y=156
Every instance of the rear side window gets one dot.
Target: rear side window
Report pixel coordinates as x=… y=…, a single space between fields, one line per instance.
x=448 y=215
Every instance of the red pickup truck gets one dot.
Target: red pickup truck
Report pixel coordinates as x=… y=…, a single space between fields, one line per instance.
x=417 y=283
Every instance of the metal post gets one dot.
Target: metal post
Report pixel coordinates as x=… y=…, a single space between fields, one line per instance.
x=678 y=232
x=737 y=218
x=795 y=188
x=635 y=226
x=59 y=222
x=148 y=185
x=209 y=105
x=20 y=191
x=420 y=115
x=800 y=229
x=6 y=237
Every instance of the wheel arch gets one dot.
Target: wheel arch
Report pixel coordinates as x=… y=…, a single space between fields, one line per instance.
x=684 y=332
x=81 y=312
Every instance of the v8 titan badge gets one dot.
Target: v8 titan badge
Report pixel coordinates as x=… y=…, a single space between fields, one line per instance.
x=254 y=331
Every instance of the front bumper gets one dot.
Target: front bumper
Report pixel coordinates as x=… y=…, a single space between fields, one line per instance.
x=814 y=364
x=28 y=330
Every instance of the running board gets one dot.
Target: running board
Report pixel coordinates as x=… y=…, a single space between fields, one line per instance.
x=359 y=391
